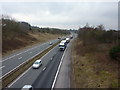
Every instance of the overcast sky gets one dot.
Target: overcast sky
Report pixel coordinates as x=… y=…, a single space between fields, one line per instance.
x=65 y=15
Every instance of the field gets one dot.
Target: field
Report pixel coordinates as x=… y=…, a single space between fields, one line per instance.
x=93 y=70
x=92 y=66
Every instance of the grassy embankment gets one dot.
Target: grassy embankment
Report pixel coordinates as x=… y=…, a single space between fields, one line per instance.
x=19 y=35
x=91 y=63
x=13 y=45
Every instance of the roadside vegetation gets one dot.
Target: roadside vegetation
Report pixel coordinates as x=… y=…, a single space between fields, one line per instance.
x=96 y=58
x=18 y=35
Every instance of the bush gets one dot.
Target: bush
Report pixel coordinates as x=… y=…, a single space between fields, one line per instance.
x=92 y=35
x=114 y=52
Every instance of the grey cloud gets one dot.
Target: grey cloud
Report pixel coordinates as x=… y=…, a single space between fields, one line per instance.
x=65 y=14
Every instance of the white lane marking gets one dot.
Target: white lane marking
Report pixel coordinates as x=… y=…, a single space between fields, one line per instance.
x=25 y=62
x=44 y=68
x=20 y=65
x=18 y=54
x=58 y=70
x=21 y=53
x=28 y=69
x=20 y=58
x=51 y=58
x=8 y=58
x=19 y=77
x=2 y=67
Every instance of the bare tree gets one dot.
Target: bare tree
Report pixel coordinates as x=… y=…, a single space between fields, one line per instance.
x=100 y=27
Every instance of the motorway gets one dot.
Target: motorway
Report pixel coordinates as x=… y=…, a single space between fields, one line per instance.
x=44 y=76
x=12 y=61
x=63 y=78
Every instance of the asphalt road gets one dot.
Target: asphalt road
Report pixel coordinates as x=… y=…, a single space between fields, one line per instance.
x=63 y=78
x=44 y=76
x=12 y=61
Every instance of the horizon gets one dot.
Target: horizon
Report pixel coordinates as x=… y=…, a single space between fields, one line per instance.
x=64 y=15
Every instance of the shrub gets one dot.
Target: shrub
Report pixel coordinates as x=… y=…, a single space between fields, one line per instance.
x=114 y=52
x=92 y=35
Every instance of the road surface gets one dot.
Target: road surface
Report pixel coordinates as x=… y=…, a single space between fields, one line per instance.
x=12 y=61
x=63 y=79
x=54 y=72
x=42 y=77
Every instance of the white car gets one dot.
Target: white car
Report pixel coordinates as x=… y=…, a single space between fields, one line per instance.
x=37 y=64
x=27 y=87
x=50 y=43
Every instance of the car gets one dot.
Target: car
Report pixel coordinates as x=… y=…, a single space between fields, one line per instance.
x=50 y=43
x=59 y=37
x=71 y=37
x=27 y=87
x=37 y=64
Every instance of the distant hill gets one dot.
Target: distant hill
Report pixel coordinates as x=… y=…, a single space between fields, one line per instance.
x=14 y=36
x=20 y=34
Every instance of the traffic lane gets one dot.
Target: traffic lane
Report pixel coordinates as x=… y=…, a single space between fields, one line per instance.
x=32 y=49
x=11 y=64
x=30 y=76
x=63 y=79
x=25 y=50
x=14 y=62
x=20 y=52
x=45 y=79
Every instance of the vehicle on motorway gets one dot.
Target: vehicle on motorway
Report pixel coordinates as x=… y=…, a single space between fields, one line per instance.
x=63 y=41
x=50 y=43
x=71 y=37
x=59 y=37
x=27 y=87
x=67 y=40
x=62 y=45
x=37 y=64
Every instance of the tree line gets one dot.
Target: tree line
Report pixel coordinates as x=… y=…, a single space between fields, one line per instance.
x=10 y=24
x=92 y=36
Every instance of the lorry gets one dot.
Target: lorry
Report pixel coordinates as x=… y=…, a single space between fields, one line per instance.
x=62 y=45
x=67 y=40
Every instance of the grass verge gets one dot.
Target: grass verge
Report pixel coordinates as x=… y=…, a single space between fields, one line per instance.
x=93 y=69
x=10 y=46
